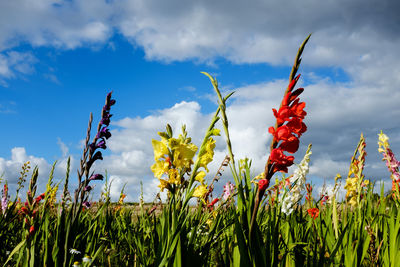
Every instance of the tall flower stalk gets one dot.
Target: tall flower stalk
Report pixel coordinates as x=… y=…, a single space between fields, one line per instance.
x=355 y=182
x=91 y=153
x=174 y=159
x=289 y=126
x=391 y=162
x=4 y=199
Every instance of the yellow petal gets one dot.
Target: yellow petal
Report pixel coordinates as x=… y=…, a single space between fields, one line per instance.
x=200 y=176
x=174 y=177
x=207 y=156
x=383 y=141
x=160 y=149
x=215 y=132
x=159 y=168
x=200 y=191
x=163 y=184
x=183 y=155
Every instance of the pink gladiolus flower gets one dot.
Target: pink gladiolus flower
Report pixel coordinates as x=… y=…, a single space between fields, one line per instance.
x=4 y=199
x=228 y=190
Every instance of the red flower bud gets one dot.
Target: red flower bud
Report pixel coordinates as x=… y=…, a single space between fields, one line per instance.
x=39 y=198
x=31 y=230
x=263 y=185
x=213 y=203
x=24 y=210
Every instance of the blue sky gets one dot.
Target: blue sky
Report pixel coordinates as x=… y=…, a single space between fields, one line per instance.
x=59 y=61
x=55 y=99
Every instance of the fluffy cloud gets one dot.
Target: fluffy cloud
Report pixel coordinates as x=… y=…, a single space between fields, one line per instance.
x=336 y=117
x=354 y=35
x=10 y=169
x=357 y=37
x=14 y=64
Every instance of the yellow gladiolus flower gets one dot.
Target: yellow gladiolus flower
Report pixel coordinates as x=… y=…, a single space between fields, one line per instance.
x=207 y=156
x=383 y=142
x=183 y=155
x=355 y=183
x=200 y=176
x=200 y=191
x=160 y=149
x=174 y=177
x=383 y=138
x=163 y=184
x=159 y=168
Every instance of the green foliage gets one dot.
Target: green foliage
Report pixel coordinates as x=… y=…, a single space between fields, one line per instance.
x=246 y=228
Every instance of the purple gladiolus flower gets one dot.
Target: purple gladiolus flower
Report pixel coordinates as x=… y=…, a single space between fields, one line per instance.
x=88 y=188
x=105 y=120
x=101 y=144
x=104 y=132
x=86 y=204
x=109 y=100
x=96 y=176
x=95 y=157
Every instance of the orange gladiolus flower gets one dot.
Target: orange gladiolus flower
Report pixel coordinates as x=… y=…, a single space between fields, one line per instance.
x=314 y=212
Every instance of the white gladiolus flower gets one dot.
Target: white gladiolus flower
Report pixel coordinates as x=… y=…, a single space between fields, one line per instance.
x=74 y=251
x=87 y=259
x=298 y=180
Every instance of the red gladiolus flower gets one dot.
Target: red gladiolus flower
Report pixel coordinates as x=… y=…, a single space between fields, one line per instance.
x=291 y=145
x=297 y=126
x=297 y=109
x=31 y=230
x=281 y=160
x=283 y=114
x=282 y=133
x=37 y=199
x=324 y=199
x=211 y=205
x=292 y=84
x=263 y=185
x=314 y=212
x=24 y=210
x=295 y=94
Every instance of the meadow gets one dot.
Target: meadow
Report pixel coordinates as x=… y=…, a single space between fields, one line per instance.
x=273 y=219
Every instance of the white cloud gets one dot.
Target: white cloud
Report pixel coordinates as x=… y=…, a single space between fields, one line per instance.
x=15 y=64
x=364 y=46
x=204 y=30
x=336 y=117
x=64 y=148
x=11 y=168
